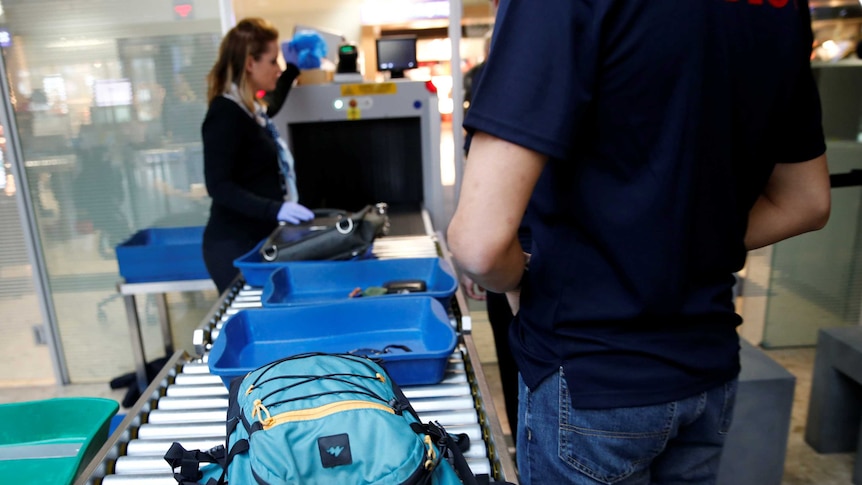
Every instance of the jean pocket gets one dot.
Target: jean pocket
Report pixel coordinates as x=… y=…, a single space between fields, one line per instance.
x=610 y=445
x=730 y=388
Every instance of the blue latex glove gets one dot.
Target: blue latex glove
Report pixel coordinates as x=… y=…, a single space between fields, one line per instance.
x=294 y=213
x=290 y=53
x=310 y=49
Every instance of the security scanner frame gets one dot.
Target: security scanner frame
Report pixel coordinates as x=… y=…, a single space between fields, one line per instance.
x=187 y=404
x=363 y=143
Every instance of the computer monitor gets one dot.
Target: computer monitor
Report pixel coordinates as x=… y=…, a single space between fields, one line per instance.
x=112 y=92
x=395 y=54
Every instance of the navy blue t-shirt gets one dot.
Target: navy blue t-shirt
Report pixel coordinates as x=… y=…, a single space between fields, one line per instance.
x=662 y=121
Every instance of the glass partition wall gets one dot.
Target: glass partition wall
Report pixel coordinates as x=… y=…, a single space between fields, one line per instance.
x=108 y=99
x=814 y=281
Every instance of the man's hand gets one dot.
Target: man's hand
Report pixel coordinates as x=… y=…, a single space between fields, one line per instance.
x=473 y=290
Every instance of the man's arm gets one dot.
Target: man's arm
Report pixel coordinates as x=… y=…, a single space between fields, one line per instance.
x=483 y=234
x=796 y=200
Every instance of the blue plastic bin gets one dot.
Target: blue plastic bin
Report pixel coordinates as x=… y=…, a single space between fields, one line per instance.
x=256 y=271
x=163 y=254
x=324 y=282
x=252 y=338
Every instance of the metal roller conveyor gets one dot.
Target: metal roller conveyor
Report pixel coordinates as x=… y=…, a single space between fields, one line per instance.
x=200 y=412
x=159 y=416
x=201 y=416
x=197 y=379
x=205 y=390
x=180 y=430
x=154 y=447
x=422 y=399
x=138 y=480
x=187 y=404
x=197 y=367
x=180 y=403
x=156 y=467
x=157 y=447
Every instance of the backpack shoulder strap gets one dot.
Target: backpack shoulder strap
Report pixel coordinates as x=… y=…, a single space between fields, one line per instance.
x=449 y=446
x=189 y=461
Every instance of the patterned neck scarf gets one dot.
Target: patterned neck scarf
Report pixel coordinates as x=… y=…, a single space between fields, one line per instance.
x=285 y=158
x=285 y=161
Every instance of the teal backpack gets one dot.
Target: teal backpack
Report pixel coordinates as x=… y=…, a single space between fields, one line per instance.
x=324 y=419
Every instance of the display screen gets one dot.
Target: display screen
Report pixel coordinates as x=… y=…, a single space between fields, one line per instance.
x=5 y=38
x=396 y=53
x=112 y=92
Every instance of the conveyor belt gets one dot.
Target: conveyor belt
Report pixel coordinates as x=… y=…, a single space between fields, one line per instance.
x=185 y=403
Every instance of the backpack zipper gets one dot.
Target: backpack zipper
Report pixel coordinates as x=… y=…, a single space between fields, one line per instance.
x=268 y=421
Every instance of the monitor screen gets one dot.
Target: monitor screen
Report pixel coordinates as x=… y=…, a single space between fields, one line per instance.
x=395 y=54
x=112 y=92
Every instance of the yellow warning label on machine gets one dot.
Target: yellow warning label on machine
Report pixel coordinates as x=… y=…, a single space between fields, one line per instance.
x=354 y=114
x=368 y=89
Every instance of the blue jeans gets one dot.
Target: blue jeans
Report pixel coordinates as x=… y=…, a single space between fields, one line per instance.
x=677 y=442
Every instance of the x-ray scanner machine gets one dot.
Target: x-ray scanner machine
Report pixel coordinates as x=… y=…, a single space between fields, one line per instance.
x=361 y=143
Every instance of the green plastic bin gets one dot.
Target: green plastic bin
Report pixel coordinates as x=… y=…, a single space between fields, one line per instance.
x=51 y=441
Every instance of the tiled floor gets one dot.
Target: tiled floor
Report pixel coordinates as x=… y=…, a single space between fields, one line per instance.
x=803 y=465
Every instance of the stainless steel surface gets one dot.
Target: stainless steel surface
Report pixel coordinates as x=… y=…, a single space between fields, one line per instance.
x=186 y=404
x=165 y=287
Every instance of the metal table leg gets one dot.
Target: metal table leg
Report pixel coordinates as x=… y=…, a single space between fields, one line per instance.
x=160 y=289
x=137 y=341
x=165 y=323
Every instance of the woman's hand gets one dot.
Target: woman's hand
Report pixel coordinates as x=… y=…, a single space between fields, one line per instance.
x=294 y=213
x=290 y=54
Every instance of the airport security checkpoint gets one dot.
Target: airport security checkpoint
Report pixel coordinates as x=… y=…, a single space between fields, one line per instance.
x=107 y=140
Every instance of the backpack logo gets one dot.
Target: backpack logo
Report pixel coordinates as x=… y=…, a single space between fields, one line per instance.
x=334 y=450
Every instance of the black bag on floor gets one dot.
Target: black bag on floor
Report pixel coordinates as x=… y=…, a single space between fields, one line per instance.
x=331 y=235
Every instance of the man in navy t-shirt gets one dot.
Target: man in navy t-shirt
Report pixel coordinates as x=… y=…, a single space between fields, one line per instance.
x=656 y=141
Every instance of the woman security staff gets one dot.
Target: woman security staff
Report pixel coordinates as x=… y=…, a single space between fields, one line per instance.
x=247 y=166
